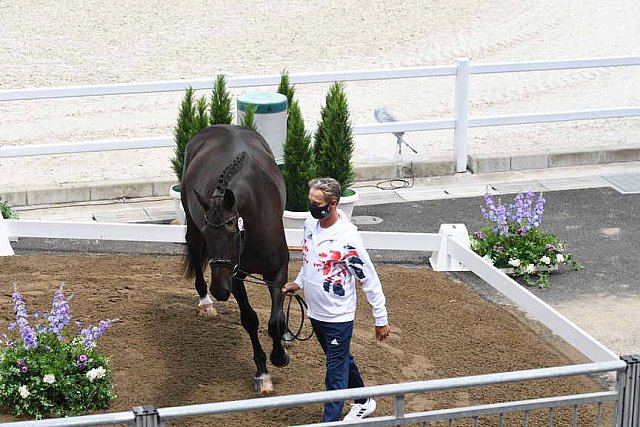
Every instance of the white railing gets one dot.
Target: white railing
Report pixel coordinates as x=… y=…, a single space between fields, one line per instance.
x=460 y=123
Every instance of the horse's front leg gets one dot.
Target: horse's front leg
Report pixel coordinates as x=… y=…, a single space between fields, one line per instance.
x=277 y=324
x=205 y=305
x=250 y=322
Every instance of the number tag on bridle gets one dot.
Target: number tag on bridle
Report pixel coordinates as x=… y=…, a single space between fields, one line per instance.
x=240 y=224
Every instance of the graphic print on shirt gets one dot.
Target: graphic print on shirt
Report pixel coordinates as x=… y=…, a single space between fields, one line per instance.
x=335 y=268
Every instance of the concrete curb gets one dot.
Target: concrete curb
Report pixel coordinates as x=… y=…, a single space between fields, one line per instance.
x=486 y=163
x=478 y=164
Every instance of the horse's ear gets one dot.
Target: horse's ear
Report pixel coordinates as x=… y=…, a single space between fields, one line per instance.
x=229 y=198
x=204 y=201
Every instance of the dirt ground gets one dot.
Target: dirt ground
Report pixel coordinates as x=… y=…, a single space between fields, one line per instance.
x=163 y=354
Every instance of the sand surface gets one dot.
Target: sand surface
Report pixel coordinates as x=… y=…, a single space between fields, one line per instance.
x=65 y=43
x=164 y=354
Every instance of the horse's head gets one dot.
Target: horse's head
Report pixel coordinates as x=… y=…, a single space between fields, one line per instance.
x=223 y=232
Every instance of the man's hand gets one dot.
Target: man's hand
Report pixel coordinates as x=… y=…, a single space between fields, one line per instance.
x=382 y=332
x=290 y=289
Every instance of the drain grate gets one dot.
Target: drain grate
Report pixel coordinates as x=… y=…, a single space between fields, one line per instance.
x=625 y=183
x=366 y=220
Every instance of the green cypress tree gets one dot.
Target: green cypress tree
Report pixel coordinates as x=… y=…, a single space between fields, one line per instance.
x=220 y=109
x=201 y=116
x=285 y=88
x=298 y=168
x=249 y=117
x=183 y=131
x=334 y=146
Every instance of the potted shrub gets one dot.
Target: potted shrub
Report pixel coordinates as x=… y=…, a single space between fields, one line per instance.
x=511 y=239
x=6 y=211
x=333 y=148
x=298 y=167
x=192 y=118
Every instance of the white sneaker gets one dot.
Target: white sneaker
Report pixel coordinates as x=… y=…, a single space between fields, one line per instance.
x=360 y=410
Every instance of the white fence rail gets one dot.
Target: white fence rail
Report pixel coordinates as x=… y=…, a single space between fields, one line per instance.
x=460 y=123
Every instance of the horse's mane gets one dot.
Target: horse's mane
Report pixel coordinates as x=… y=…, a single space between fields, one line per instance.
x=229 y=172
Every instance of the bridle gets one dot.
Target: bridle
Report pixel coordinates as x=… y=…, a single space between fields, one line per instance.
x=241 y=238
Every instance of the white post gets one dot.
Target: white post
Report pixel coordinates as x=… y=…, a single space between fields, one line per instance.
x=460 y=148
x=5 y=242
x=441 y=259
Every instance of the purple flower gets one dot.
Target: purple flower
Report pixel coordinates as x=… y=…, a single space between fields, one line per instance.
x=60 y=315
x=82 y=359
x=522 y=231
x=550 y=246
x=479 y=235
x=500 y=248
x=22 y=320
x=521 y=213
x=90 y=335
x=24 y=369
x=22 y=363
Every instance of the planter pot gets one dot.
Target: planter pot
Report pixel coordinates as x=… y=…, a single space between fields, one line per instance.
x=295 y=220
x=174 y=192
x=511 y=270
x=347 y=201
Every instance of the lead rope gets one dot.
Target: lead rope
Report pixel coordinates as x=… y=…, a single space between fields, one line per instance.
x=301 y=303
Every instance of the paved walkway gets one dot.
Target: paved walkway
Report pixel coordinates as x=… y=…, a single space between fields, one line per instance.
x=160 y=209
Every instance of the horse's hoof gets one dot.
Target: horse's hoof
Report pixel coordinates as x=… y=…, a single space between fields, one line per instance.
x=287 y=340
x=207 y=310
x=280 y=362
x=263 y=384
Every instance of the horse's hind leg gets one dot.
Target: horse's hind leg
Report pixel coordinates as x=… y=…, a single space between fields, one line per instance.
x=250 y=322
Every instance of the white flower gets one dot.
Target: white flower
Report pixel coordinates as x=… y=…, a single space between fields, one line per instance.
x=514 y=262
x=546 y=260
x=49 y=379
x=530 y=269
x=559 y=257
x=96 y=373
x=23 y=391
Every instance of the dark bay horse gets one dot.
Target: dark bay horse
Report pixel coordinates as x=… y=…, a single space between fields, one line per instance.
x=233 y=196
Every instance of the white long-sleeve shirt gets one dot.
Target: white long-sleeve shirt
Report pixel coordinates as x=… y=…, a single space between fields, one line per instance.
x=333 y=259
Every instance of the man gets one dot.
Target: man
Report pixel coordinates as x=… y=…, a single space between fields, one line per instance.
x=333 y=259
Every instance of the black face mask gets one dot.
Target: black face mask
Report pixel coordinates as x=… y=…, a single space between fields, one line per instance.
x=319 y=212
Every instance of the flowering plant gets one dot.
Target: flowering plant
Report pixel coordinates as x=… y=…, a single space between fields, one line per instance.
x=48 y=369
x=511 y=238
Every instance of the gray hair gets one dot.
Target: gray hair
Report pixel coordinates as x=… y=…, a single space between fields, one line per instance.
x=329 y=187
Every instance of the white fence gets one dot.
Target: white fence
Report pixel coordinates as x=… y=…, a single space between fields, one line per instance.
x=460 y=123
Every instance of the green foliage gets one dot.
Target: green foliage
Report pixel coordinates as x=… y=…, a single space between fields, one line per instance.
x=334 y=146
x=192 y=118
x=6 y=211
x=48 y=369
x=285 y=88
x=249 y=117
x=511 y=238
x=220 y=112
x=298 y=168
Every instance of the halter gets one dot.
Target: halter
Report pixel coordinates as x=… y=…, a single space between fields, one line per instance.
x=241 y=237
